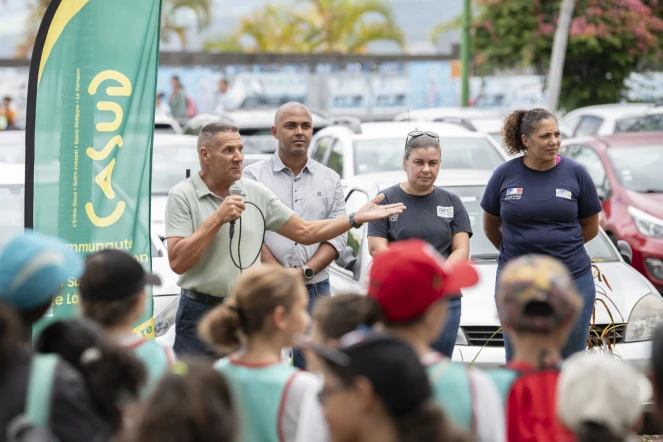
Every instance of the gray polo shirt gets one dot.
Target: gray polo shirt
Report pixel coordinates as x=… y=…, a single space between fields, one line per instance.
x=190 y=203
x=315 y=194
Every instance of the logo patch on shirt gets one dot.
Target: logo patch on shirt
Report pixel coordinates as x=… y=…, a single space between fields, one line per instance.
x=445 y=212
x=563 y=193
x=393 y=218
x=514 y=193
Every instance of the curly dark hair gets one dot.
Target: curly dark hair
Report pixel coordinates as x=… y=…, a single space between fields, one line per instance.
x=522 y=122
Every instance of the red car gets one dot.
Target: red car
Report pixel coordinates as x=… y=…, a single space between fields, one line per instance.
x=627 y=169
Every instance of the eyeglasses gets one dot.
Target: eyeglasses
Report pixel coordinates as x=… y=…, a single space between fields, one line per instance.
x=417 y=133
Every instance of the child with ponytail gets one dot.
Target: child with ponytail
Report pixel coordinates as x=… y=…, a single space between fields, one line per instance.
x=266 y=312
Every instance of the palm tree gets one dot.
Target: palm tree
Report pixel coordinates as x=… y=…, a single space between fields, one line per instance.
x=37 y=9
x=340 y=25
x=320 y=26
x=169 y=26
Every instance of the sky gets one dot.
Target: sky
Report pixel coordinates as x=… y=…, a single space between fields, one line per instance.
x=416 y=17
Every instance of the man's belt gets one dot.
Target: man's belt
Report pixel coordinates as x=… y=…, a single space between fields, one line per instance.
x=202 y=297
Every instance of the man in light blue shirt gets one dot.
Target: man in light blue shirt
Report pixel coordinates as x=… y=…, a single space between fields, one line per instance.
x=312 y=190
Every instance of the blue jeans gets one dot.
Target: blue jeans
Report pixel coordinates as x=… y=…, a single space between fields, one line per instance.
x=315 y=292
x=447 y=340
x=577 y=341
x=189 y=314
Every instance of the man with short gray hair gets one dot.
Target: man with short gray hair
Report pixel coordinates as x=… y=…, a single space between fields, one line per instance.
x=204 y=242
x=312 y=190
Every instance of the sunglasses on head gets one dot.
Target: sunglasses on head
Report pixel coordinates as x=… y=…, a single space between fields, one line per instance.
x=417 y=133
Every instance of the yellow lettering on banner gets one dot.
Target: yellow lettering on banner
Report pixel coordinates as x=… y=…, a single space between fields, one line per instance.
x=58 y=300
x=110 y=219
x=124 y=90
x=104 y=180
x=146 y=329
x=116 y=109
x=103 y=153
x=72 y=282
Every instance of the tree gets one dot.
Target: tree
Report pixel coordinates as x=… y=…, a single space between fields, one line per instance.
x=169 y=10
x=36 y=11
x=609 y=39
x=341 y=26
x=315 y=26
x=272 y=29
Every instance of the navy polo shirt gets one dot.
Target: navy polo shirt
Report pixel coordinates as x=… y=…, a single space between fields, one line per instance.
x=540 y=211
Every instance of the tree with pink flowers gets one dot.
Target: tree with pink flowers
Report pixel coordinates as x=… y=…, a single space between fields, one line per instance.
x=608 y=40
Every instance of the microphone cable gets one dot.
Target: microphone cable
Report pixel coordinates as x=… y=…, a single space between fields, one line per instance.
x=239 y=240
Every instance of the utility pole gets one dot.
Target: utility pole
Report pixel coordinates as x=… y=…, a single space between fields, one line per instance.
x=559 y=54
x=465 y=53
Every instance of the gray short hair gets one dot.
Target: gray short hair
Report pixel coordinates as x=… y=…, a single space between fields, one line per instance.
x=421 y=142
x=207 y=136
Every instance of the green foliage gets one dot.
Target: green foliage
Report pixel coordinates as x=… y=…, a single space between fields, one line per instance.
x=314 y=26
x=609 y=39
x=169 y=26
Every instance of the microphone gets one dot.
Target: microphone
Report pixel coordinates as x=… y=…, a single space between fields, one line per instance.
x=236 y=189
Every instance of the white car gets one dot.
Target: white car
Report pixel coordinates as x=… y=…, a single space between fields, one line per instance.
x=603 y=119
x=652 y=121
x=255 y=126
x=628 y=308
x=378 y=147
x=487 y=120
x=166 y=124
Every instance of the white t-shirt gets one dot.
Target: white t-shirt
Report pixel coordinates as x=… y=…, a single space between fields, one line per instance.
x=312 y=424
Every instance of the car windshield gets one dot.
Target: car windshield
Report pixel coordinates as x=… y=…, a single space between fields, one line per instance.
x=383 y=155
x=599 y=249
x=638 y=168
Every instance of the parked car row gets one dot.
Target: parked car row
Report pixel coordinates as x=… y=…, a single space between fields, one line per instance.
x=368 y=157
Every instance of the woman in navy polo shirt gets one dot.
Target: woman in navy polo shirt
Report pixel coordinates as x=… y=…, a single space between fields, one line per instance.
x=545 y=204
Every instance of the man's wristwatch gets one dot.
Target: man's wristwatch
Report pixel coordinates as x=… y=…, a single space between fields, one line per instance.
x=308 y=273
x=353 y=222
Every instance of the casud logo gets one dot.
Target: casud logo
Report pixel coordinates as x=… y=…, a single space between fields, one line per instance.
x=103 y=179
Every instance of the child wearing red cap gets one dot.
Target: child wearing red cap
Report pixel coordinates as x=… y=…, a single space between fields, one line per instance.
x=413 y=284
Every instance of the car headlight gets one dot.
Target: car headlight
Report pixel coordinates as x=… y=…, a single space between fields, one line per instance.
x=645 y=318
x=647 y=224
x=166 y=318
x=461 y=339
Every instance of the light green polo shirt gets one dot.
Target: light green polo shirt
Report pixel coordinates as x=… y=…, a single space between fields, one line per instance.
x=190 y=203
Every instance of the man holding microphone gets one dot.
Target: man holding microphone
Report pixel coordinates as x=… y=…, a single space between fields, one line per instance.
x=199 y=214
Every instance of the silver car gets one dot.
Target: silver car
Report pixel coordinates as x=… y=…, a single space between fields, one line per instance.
x=627 y=310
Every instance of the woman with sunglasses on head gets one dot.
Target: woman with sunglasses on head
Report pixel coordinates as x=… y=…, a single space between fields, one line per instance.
x=434 y=215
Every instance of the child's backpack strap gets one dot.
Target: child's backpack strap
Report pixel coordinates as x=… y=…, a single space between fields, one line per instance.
x=40 y=387
x=503 y=379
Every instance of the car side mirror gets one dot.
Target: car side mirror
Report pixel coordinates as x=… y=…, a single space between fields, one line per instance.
x=347 y=258
x=625 y=250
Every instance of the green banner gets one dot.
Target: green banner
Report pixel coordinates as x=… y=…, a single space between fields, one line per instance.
x=90 y=127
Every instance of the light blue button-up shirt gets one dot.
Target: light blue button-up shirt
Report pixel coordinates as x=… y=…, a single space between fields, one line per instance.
x=315 y=194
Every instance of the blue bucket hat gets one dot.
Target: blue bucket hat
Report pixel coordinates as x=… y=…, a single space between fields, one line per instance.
x=33 y=268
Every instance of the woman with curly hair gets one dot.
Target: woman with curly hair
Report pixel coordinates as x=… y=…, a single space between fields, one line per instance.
x=541 y=203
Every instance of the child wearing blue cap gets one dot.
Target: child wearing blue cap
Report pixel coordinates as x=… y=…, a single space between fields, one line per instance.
x=41 y=392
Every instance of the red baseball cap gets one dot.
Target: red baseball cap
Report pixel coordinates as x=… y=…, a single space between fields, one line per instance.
x=411 y=275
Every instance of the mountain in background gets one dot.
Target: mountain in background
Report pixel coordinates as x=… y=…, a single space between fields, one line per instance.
x=416 y=17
